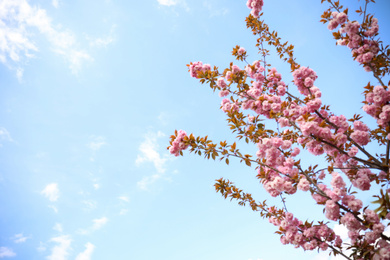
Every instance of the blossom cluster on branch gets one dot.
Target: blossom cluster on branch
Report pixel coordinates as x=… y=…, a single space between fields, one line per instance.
x=306 y=123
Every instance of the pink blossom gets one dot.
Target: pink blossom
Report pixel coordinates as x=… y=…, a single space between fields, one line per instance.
x=304 y=184
x=241 y=51
x=177 y=144
x=256 y=6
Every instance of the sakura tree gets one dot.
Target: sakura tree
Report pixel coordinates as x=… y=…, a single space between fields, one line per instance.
x=257 y=94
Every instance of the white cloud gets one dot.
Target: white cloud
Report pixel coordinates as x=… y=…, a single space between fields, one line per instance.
x=18 y=19
x=124 y=198
x=19 y=238
x=149 y=152
x=147 y=181
x=341 y=230
x=60 y=251
x=51 y=192
x=55 y=3
x=96 y=186
x=87 y=253
x=54 y=208
x=168 y=2
x=89 y=204
x=42 y=247
x=4 y=134
x=6 y=252
x=97 y=143
x=215 y=11
x=123 y=212
x=58 y=227
x=99 y=223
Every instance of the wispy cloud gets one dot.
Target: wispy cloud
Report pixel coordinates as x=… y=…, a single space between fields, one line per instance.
x=124 y=198
x=17 y=18
x=4 y=134
x=54 y=208
x=61 y=250
x=149 y=152
x=6 y=252
x=89 y=204
x=51 y=192
x=214 y=11
x=102 y=42
x=41 y=247
x=87 y=253
x=58 y=227
x=168 y=2
x=19 y=238
x=96 y=143
x=123 y=212
x=145 y=183
x=55 y=3
x=98 y=223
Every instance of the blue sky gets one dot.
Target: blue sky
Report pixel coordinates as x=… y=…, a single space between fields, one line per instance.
x=90 y=92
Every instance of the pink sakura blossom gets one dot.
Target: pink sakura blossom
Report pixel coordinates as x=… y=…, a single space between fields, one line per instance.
x=361 y=137
x=304 y=79
x=303 y=184
x=351 y=223
x=337 y=181
x=255 y=71
x=241 y=51
x=178 y=144
x=332 y=210
x=256 y=6
x=221 y=83
x=374 y=28
x=224 y=93
x=353 y=151
x=362 y=179
x=338 y=18
x=351 y=202
x=371 y=216
x=197 y=67
x=309 y=238
x=226 y=106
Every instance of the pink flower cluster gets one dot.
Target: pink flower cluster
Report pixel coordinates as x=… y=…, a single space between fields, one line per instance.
x=256 y=6
x=338 y=18
x=374 y=28
x=228 y=106
x=197 y=67
x=361 y=133
x=363 y=179
x=378 y=105
x=233 y=72
x=178 y=145
x=271 y=150
x=304 y=79
x=365 y=53
x=306 y=236
x=255 y=71
x=222 y=84
x=241 y=51
x=363 y=50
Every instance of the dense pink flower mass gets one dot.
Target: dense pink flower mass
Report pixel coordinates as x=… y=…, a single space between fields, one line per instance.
x=178 y=145
x=256 y=6
x=197 y=67
x=302 y=121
